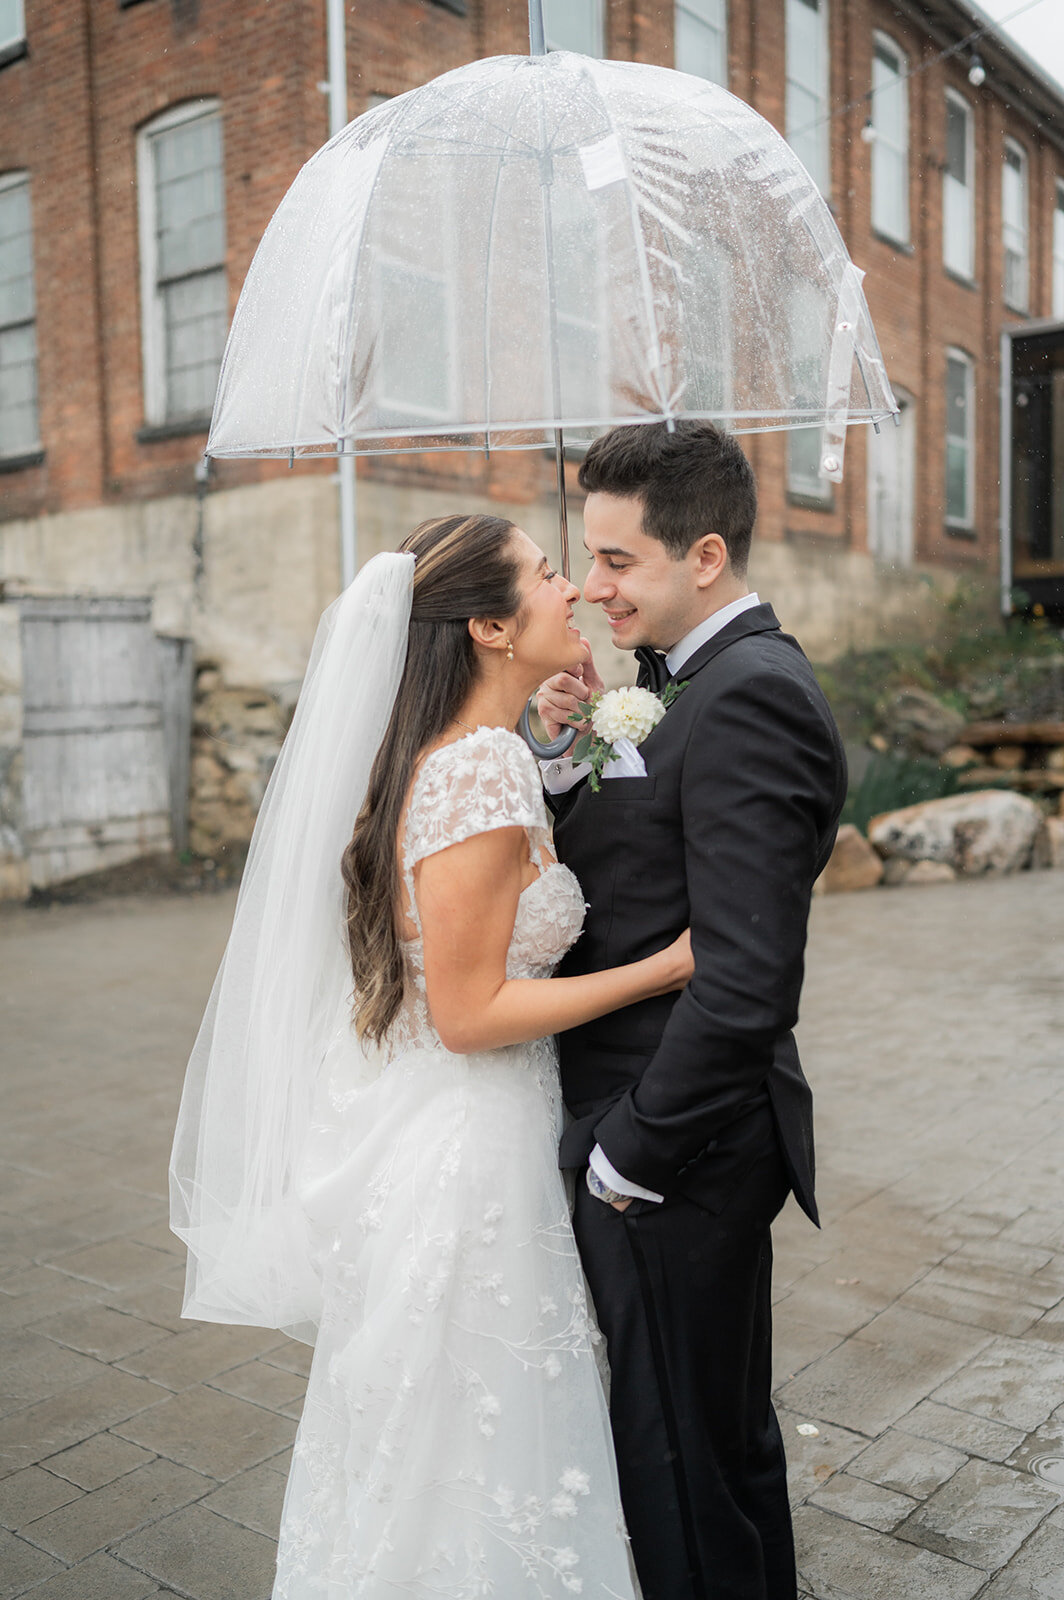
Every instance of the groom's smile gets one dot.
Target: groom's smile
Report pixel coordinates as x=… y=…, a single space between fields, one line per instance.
x=649 y=596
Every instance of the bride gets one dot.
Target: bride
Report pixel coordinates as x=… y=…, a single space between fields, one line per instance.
x=366 y=1152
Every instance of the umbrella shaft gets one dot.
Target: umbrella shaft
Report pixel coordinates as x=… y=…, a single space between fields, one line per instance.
x=537 y=45
x=563 y=518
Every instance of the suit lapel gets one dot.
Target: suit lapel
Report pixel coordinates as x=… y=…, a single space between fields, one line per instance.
x=758 y=619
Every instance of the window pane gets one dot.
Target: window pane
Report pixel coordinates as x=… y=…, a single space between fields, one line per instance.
x=574 y=25
x=701 y=40
x=196 y=315
x=803 y=463
x=956 y=481
x=16 y=255
x=957 y=230
x=1058 y=255
x=890 y=191
x=12 y=23
x=189 y=197
x=415 y=370
x=18 y=390
x=1014 y=226
x=807 y=87
x=956 y=140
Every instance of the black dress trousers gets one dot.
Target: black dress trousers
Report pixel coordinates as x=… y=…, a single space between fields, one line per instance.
x=683 y=1297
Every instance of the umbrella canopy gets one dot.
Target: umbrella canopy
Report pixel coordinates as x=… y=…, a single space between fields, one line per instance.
x=534 y=243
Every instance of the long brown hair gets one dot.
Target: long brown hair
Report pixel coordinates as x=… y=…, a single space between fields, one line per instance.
x=465 y=567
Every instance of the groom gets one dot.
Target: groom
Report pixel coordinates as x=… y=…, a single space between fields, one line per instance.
x=691 y=1119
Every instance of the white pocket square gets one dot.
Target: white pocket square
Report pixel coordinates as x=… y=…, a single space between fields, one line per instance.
x=626 y=763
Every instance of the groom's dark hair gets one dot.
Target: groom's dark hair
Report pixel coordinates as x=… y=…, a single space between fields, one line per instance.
x=692 y=481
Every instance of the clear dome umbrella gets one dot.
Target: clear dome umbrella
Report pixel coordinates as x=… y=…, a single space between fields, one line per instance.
x=536 y=248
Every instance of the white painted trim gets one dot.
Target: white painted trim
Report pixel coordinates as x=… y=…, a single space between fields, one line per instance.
x=152 y=329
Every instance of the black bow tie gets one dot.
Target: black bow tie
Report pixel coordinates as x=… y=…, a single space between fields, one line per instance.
x=653 y=673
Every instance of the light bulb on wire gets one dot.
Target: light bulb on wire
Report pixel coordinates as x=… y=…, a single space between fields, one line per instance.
x=976 y=73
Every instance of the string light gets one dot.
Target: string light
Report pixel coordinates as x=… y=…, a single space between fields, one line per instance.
x=976 y=67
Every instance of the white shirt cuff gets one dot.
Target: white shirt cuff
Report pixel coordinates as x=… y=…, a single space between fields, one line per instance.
x=600 y=1165
x=560 y=775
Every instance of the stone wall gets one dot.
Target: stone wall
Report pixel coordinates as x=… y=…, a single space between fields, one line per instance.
x=14 y=871
x=246 y=572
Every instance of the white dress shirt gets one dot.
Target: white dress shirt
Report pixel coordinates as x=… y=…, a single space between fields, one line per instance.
x=560 y=776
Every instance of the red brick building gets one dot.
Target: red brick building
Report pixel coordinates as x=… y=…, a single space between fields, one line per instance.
x=144 y=145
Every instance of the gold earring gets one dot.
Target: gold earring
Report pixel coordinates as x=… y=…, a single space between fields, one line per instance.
x=509 y=650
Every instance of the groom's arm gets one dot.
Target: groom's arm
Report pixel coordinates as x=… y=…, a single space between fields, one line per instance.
x=759 y=782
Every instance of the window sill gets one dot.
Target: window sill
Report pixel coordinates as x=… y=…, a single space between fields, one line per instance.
x=1018 y=311
x=957 y=530
x=811 y=502
x=13 y=52
x=959 y=278
x=158 y=432
x=457 y=6
x=902 y=246
x=30 y=458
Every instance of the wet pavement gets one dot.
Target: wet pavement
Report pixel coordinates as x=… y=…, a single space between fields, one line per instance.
x=919 y=1335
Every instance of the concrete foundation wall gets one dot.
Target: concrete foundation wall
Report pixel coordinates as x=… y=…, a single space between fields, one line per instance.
x=245 y=573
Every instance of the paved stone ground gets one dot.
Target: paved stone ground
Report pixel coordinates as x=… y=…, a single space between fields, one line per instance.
x=921 y=1333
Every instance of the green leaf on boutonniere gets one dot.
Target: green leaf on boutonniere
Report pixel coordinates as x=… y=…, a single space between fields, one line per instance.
x=670 y=691
x=582 y=748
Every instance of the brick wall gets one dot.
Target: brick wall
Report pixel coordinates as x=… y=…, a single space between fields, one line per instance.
x=96 y=73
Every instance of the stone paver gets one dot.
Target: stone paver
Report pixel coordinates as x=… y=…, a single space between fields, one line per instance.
x=920 y=1333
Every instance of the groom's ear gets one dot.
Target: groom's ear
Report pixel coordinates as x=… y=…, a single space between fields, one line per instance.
x=709 y=558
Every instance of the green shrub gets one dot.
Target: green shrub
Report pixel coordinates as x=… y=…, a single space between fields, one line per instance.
x=889 y=782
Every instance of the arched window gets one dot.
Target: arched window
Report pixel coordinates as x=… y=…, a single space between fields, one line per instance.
x=890 y=147
x=182 y=255
x=1014 y=224
x=958 y=189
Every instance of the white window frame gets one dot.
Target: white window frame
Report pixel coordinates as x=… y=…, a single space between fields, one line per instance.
x=960 y=263
x=694 y=12
x=153 y=327
x=1058 y=250
x=801 y=123
x=597 y=22
x=18 y=180
x=19 y=35
x=884 y=142
x=1016 y=238
x=965 y=523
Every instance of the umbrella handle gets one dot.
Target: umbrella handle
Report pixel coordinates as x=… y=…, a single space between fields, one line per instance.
x=553 y=748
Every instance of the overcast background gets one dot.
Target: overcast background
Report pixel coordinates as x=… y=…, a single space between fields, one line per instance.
x=1038 y=29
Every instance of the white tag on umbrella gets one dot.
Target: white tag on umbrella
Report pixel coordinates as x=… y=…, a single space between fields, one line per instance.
x=603 y=163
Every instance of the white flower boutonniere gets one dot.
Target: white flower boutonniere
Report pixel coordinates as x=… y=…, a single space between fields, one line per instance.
x=619 y=714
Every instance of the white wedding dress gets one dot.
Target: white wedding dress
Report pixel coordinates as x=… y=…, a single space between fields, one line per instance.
x=455 y=1440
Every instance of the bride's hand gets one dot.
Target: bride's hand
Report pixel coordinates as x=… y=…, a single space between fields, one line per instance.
x=677 y=963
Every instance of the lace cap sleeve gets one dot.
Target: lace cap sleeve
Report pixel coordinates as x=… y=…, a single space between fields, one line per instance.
x=485 y=781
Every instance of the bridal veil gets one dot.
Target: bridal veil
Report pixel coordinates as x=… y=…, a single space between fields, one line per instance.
x=283 y=991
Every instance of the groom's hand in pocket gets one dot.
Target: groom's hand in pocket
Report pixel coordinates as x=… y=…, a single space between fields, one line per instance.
x=560 y=698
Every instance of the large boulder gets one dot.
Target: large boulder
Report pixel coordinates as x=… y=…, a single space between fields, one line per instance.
x=990 y=831
x=853 y=864
x=916 y=723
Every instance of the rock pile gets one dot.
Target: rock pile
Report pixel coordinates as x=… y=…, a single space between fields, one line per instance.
x=236 y=736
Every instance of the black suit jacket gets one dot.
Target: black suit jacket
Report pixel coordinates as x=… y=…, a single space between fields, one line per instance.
x=726 y=834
